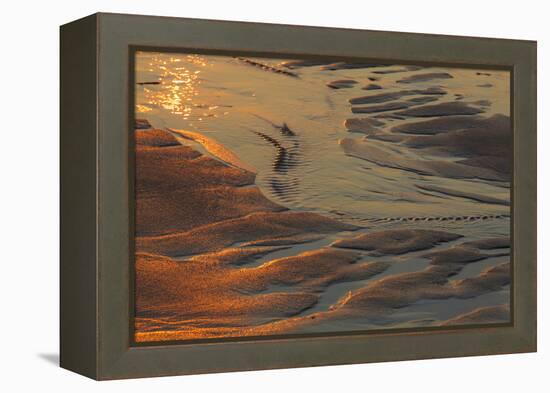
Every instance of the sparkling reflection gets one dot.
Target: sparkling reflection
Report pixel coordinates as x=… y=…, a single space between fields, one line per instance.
x=177 y=82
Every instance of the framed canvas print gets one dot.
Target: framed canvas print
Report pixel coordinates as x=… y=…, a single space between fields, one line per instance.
x=240 y=196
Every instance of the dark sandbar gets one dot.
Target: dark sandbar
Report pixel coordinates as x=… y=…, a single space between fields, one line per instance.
x=397 y=241
x=425 y=77
x=350 y=66
x=390 y=106
x=363 y=124
x=372 y=86
x=443 y=109
x=385 y=97
x=438 y=125
x=467 y=195
x=342 y=84
x=483 y=315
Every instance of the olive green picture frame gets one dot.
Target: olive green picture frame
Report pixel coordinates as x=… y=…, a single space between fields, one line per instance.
x=97 y=196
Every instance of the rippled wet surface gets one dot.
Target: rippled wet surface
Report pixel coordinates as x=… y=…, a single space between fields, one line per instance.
x=394 y=151
x=289 y=129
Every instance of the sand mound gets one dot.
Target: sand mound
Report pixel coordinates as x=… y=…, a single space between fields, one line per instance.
x=178 y=189
x=368 y=151
x=155 y=138
x=483 y=148
x=463 y=194
x=263 y=226
x=365 y=125
x=372 y=86
x=490 y=243
x=484 y=315
x=342 y=84
x=385 y=97
x=397 y=241
x=438 y=125
x=425 y=77
x=443 y=109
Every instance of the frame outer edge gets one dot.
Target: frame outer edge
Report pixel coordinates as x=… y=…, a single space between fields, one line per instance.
x=78 y=197
x=117 y=359
x=525 y=123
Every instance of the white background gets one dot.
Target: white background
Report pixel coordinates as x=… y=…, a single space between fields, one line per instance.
x=29 y=194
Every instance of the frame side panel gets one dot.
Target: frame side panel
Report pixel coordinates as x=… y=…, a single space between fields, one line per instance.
x=525 y=196
x=78 y=267
x=120 y=33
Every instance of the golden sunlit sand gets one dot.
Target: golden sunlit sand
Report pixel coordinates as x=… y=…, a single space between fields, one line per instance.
x=215 y=148
x=215 y=292
x=290 y=197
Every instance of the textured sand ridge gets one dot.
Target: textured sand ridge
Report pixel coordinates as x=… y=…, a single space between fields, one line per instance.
x=205 y=281
x=310 y=196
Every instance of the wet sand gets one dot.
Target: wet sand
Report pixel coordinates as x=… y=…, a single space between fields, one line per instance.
x=247 y=225
x=197 y=270
x=249 y=108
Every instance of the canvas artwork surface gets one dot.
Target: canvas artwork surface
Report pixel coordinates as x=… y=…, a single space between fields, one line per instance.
x=280 y=196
